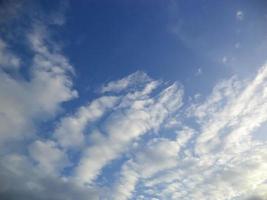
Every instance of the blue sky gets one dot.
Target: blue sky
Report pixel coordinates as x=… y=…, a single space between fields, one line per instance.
x=133 y=99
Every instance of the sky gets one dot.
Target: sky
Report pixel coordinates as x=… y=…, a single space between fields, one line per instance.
x=133 y=100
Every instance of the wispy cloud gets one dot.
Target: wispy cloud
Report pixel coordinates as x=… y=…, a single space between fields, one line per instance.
x=129 y=82
x=222 y=159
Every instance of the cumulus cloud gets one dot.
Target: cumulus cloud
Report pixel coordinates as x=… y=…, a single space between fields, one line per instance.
x=24 y=101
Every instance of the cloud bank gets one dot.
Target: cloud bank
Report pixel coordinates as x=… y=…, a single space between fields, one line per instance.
x=123 y=144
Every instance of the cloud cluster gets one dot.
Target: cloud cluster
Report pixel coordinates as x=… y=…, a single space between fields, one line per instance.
x=212 y=152
x=218 y=160
x=137 y=104
x=26 y=101
x=223 y=159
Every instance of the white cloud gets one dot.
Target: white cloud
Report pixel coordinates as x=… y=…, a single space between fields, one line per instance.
x=212 y=156
x=129 y=82
x=25 y=101
x=218 y=159
x=19 y=179
x=158 y=155
x=126 y=124
x=71 y=130
x=235 y=109
x=222 y=161
x=49 y=157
